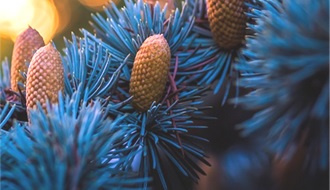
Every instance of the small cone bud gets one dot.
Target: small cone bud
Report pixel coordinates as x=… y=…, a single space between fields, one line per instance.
x=45 y=77
x=26 y=44
x=150 y=72
x=227 y=21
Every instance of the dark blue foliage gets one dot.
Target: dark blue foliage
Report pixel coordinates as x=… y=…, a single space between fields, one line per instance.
x=126 y=29
x=123 y=32
x=5 y=113
x=94 y=77
x=66 y=149
x=217 y=63
x=289 y=68
x=162 y=132
x=90 y=69
x=12 y=104
x=162 y=135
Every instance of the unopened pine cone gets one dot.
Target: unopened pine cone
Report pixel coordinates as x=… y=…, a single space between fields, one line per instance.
x=45 y=77
x=150 y=72
x=227 y=22
x=25 y=46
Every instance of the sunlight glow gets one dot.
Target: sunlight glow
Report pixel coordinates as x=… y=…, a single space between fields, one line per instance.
x=96 y=4
x=17 y=15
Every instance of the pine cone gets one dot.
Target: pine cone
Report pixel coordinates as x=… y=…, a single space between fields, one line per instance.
x=45 y=77
x=150 y=70
x=227 y=22
x=26 y=44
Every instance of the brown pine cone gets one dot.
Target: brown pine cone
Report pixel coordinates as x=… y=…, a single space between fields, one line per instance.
x=227 y=22
x=150 y=72
x=45 y=77
x=25 y=46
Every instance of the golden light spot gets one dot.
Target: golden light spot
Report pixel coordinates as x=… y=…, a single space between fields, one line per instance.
x=96 y=4
x=17 y=15
x=64 y=12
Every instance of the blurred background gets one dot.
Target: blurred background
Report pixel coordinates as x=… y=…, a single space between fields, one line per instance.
x=54 y=19
x=237 y=162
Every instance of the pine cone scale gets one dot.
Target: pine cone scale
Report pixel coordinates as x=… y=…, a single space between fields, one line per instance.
x=25 y=46
x=227 y=22
x=150 y=72
x=45 y=77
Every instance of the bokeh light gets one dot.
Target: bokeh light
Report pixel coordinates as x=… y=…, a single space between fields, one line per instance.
x=53 y=19
x=96 y=4
x=17 y=15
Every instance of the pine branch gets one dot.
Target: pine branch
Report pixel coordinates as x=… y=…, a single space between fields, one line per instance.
x=66 y=148
x=290 y=71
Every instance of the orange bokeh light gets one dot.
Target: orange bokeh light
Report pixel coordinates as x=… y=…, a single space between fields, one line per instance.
x=47 y=16
x=96 y=4
x=17 y=15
